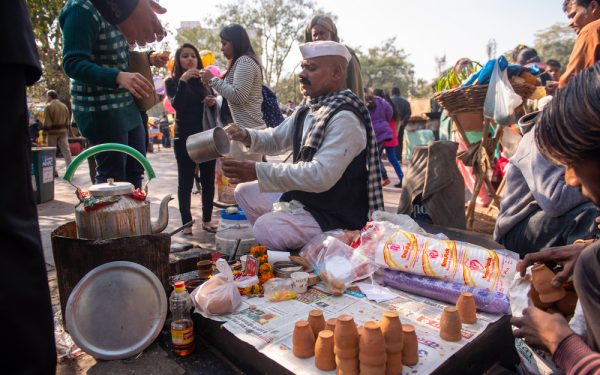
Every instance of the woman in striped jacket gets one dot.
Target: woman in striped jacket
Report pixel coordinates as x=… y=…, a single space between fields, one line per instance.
x=240 y=87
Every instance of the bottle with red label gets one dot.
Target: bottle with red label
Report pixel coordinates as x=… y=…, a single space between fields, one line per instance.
x=182 y=326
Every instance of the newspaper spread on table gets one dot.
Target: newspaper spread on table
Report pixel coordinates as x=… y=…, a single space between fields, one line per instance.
x=268 y=326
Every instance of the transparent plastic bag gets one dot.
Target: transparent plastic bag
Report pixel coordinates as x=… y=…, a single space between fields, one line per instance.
x=501 y=100
x=220 y=294
x=313 y=248
x=339 y=265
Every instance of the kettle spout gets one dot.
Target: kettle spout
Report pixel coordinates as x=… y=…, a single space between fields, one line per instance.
x=160 y=224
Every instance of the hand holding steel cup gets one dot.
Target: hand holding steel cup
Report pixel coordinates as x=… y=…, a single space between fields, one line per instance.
x=237 y=133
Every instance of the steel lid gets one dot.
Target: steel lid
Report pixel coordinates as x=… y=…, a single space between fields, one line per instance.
x=110 y=188
x=117 y=310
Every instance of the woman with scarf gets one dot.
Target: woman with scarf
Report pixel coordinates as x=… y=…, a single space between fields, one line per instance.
x=195 y=108
x=240 y=87
x=322 y=28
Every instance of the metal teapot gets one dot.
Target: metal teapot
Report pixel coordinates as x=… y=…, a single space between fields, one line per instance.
x=115 y=209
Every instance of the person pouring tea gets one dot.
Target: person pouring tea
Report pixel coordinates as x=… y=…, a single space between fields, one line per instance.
x=334 y=181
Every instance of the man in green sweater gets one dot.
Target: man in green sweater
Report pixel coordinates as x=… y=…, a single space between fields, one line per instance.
x=56 y=126
x=96 y=58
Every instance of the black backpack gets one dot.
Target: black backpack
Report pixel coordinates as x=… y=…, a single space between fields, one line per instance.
x=270 y=108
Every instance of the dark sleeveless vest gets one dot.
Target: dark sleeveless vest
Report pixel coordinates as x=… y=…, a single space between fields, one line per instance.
x=346 y=204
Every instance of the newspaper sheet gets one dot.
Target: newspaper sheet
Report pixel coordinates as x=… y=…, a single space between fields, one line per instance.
x=268 y=326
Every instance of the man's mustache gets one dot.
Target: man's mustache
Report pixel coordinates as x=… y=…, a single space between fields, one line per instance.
x=304 y=81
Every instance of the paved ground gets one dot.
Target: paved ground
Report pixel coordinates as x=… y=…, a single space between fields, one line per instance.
x=157 y=359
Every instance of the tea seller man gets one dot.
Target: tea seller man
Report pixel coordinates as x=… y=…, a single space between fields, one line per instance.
x=334 y=180
x=568 y=133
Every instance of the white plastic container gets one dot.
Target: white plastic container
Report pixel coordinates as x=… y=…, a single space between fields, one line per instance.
x=231 y=228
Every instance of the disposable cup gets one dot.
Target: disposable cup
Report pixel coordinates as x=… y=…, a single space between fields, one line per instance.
x=299 y=281
x=243 y=259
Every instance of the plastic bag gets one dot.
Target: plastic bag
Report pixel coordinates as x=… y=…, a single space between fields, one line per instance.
x=447 y=291
x=501 y=100
x=339 y=265
x=390 y=246
x=220 y=294
x=313 y=248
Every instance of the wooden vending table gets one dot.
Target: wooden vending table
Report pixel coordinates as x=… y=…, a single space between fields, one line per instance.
x=495 y=346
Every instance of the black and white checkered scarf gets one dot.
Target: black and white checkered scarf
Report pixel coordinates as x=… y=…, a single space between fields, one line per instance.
x=322 y=109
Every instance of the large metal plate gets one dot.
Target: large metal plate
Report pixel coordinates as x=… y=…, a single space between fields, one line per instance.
x=116 y=310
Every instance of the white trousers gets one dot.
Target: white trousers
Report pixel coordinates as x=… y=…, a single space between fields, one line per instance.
x=276 y=230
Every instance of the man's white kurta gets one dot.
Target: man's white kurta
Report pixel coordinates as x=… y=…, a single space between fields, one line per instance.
x=344 y=139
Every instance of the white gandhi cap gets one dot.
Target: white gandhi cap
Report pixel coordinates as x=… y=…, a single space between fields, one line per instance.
x=324 y=48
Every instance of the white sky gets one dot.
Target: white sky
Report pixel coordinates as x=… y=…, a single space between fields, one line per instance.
x=424 y=28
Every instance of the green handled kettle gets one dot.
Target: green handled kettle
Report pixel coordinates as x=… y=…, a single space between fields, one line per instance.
x=113 y=209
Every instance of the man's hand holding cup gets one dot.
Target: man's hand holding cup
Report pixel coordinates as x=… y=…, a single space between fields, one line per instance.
x=237 y=133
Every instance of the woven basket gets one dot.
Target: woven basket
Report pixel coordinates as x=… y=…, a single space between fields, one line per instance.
x=471 y=98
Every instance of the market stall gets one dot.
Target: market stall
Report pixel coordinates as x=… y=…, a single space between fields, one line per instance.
x=259 y=334
x=482 y=101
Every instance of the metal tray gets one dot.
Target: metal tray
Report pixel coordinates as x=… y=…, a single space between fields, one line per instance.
x=116 y=310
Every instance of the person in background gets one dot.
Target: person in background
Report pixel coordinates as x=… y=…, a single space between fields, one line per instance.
x=25 y=306
x=538 y=209
x=240 y=87
x=568 y=133
x=403 y=113
x=584 y=18
x=515 y=53
x=554 y=68
x=381 y=113
x=322 y=28
x=165 y=129
x=191 y=99
x=527 y=56
x=390 y=146
x=56 y=126
x=291 y=105
x=96 y=58
x=34 y=129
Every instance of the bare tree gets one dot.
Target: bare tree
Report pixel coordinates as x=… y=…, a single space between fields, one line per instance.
x=491 y=48
x=440 y=62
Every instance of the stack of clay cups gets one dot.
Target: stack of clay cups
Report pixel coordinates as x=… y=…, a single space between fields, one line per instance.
x=410 y=345
x=450 y=325
x=303 y=340
x=372 y=352
x=330 y=324
x=324 y=355
x=346 y=346
x=467 y=311
x=541 y=278
x=316 y=320
x=391 y=327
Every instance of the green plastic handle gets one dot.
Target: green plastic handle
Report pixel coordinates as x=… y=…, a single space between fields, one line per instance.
x=109 y=147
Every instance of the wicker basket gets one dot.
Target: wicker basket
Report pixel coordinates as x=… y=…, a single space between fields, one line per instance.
x=471 y=98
